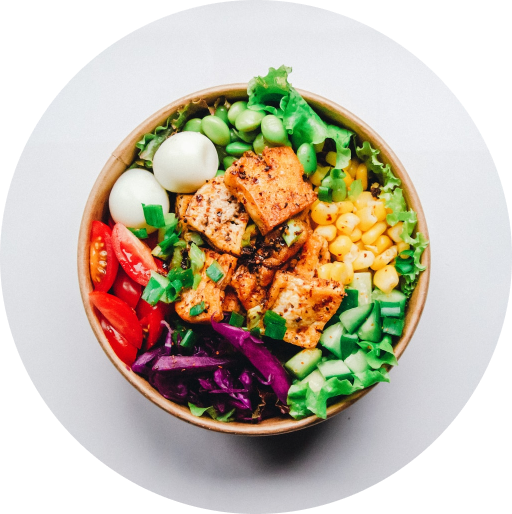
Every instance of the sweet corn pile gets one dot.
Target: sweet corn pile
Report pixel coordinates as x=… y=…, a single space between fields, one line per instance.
x=359 y=237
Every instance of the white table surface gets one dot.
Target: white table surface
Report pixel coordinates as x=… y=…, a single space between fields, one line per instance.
x=445 y=157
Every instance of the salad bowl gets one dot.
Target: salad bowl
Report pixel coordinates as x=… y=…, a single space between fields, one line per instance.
x=97 y=209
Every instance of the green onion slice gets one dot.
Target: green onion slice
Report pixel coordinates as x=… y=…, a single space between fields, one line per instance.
x=141 y=233
x=198 y=309
x=275 y=331
x=236 y=320
x=154 y=215
x=273 y=317
x=215 y=271
x=188 y=339
x=325 y=194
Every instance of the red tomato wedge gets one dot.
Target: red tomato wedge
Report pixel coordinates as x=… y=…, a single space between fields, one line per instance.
x=133 y=255
x=102 y=260
x=150 y=319
x=122 y=348
x=127 y=289
x=120 y=315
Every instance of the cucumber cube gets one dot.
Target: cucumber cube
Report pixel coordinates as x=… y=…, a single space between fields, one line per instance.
x=304 y=362
x=393 y=326
x=391 y=299
x=363 y=283
x=348 y=344
x=315 y=380
x=354 y=318
x=357 y=362
x=371 y=329
x=331 y=339
x=334 y=368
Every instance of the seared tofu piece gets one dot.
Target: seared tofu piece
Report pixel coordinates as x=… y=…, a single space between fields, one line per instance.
x=315 y=252
x=271 y=187
x=210 y=292
x=251 y=286
x=231 y=302
x=306 y=304
x=182 y=202
x=216 y=213
x=274 y=252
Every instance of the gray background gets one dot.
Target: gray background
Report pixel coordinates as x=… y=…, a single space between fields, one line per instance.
x=439 y=146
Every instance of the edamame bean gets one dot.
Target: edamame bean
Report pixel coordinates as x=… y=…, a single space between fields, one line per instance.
x=260 y=143
x=248 y=137
x=193 y=125
x=216 y=130
x=235 y=110
x=233 y=137
x=307 y=157
x=249 y=120
x=237 y=149
x=220 y=173
x=273 y=129
x=228 y=161
x=222 y=113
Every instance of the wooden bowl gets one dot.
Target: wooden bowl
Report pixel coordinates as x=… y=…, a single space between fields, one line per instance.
x=97 y=209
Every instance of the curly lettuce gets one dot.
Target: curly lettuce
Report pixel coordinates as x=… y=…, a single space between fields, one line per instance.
x=273 y=93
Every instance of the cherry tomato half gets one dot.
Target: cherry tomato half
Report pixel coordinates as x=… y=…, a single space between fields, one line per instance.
x=120 y=315
x=133 y=255
x=150 y=317
x=127 y=289
x=122 y=348
x=102 y=260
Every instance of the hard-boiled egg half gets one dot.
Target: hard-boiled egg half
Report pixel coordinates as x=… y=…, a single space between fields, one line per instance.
x=185 y=161
x=132 y=189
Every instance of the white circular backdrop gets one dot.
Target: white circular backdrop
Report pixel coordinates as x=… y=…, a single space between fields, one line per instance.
x=416 y=115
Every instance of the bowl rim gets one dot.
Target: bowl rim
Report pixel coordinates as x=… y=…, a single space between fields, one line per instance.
x=123 y=156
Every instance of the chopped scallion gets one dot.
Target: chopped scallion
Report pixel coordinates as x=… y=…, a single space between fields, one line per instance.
x=194 y=237
x=141 y=233
x=256 y=332
x=154 y=215
x=236 y=320
x=188 y=339
x=198 y=309
x=153 y=291
x=275 y=331
x=273 y=317
x=292 y=232
x=325 y=194
x=215 y=272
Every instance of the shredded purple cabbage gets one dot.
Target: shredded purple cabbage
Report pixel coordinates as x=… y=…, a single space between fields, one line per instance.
x=227 y=369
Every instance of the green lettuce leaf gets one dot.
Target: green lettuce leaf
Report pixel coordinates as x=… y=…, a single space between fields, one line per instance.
x=268 y=90
x=379 y=353
x=149 y=143
x=368 y=156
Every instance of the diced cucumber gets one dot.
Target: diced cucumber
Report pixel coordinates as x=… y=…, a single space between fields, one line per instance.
x=357 y=362
x=331 y=339
x=334 y=368
x=391 y=309
x=315 y=380
x=304 y=362
x=354 y=318
x=393 y=326
x=363 y=283
x=371 y=329
x=390 y=299
x=348 y=343
x=350 y=300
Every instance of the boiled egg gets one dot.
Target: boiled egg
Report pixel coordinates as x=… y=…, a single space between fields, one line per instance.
x=185 y=161
x=132 y=189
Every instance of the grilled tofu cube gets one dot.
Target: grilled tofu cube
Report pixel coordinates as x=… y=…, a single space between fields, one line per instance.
x=315 y=252
x=182 y=202
x=306 y=304
x=231 y=302
x=210 y=292
x=216 y=213
x=251 y=287
x=270 y=187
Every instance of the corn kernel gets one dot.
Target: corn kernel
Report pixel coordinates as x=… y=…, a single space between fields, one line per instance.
x=345 y=206
x=383 y=243
x=371 y=236
x=384 y=258
x=340 y=247
x=363 y=260
x=346 y=223
x=367 y=218
x=395 y=232
x=314 y=204
x=372 y=249
x=324 y=213
x=402 y=247
x=379 y=210
x=362 y=175
x=328 y=232
x=324 y=271
x=319 y=175
x=360 y=245
x=330 y=158
x=343 y=272
x=356 y=235
x=348 y=179
x=364 y=199
x=386 y=279
x=352 y=255
x=352 y=167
